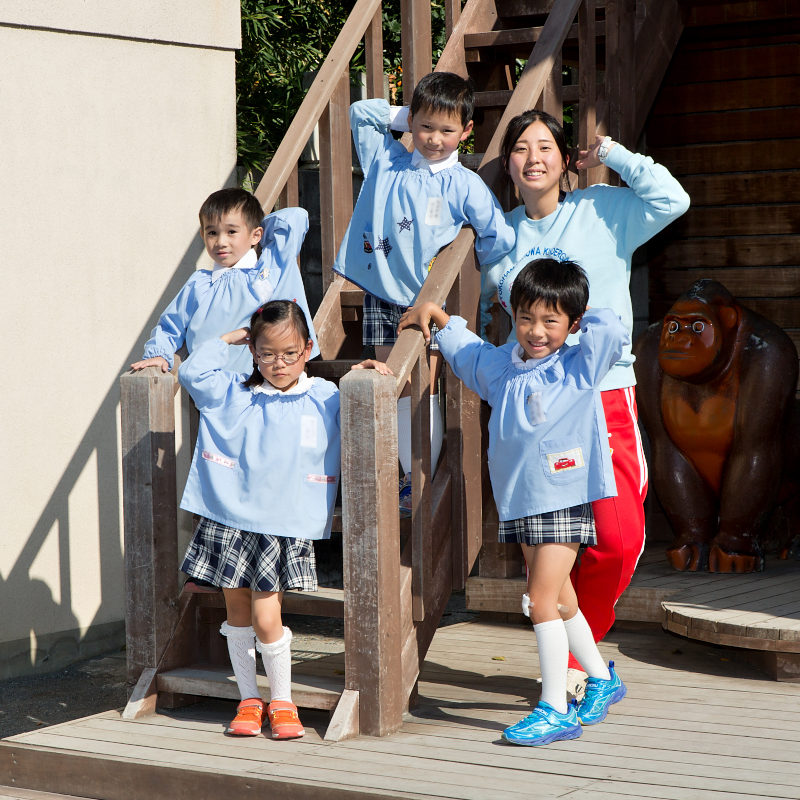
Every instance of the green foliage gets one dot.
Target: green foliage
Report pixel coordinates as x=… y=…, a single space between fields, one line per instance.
x=280 y=42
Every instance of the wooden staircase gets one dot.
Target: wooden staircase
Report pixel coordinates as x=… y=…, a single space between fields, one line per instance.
x=398 y=575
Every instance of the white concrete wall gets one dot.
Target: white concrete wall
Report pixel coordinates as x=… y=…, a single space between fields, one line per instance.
x=109 y=146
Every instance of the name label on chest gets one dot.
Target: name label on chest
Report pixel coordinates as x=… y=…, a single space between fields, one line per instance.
x=321 y=478
x=563 y=462
x=433 y=216
x=535 y=408
x=214 y=458
x=308 y=431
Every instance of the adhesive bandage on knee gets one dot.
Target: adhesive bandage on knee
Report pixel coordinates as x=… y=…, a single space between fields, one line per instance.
x=242 y=650
x=277 y=657
x=404 y=433
x=527 y=606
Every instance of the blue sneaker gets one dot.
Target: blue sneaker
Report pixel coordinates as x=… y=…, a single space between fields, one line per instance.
x=544 y=725
x=600 y=694
x=405 y=496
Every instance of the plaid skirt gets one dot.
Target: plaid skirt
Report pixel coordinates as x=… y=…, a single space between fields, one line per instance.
x=566 y=526
x=381 y=319
x=234 y=559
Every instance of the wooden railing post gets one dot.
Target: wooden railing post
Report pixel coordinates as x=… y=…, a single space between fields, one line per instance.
x=464 y=434
x=371 y=549
x=373 y=55
x=452 y=14
x=150 y=512
x=421 y=548
x=552 y=98
x=587 y=82
x=415 y=34
x=335 y=174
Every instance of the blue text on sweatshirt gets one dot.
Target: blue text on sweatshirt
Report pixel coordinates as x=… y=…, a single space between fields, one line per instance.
x=206 y=309
x=265 y=461
x=548 y=441
x=405 y=215
x=599 y=227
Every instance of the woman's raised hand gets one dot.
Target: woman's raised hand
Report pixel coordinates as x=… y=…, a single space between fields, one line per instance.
x=588 y=159
x=239 y=336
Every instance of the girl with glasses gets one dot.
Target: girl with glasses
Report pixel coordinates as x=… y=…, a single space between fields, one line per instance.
x=263 y=480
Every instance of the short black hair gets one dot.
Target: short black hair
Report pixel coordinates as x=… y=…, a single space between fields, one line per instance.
x=226 y=200
x=560 y=285
x=275 y=312
x=444 y=92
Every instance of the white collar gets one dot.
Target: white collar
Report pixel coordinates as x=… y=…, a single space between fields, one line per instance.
x=304 y=383
x=420 y=162
x=531 y=363
x=247 y=261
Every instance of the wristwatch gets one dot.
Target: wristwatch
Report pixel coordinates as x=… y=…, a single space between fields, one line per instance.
x=602 y=153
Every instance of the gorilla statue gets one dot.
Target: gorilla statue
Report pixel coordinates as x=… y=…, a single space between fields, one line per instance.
x=716 y=391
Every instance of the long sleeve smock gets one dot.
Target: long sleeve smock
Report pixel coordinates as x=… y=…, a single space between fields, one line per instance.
x=266 y=461
x=548 y=441
x=599 y=228
x=214 y=302
x=405 y=214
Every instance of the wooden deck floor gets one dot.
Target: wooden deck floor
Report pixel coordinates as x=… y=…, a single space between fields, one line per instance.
x=694 y=725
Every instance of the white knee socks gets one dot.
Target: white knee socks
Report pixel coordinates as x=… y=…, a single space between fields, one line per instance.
x=551 y=640
x=404 y=432
x=242 y=650
x=583 y=647
x=277 y=658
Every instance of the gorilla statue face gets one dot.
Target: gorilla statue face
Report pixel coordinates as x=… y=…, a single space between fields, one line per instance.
x=692 y=339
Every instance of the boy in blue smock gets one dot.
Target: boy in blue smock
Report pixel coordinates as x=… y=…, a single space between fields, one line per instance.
x=411 y=206
x=215 y=301
x=548 y=460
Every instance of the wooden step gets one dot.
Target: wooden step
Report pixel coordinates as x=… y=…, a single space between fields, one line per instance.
x=500 y=98
x=519 y=38
x=333 y=370
x=325 y=602
x=509 y=9
x=208 y=680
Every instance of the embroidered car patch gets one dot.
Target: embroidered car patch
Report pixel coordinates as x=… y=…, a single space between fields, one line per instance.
x=321 y=478
x=569 y=459
x=367 y=245
x=217 y=459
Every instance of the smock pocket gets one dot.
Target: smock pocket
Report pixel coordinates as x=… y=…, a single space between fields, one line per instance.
x=319 y=495
x=563 y=460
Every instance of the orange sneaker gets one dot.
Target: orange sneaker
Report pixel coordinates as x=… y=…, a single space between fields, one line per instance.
x=284 y=720
x=249 y=718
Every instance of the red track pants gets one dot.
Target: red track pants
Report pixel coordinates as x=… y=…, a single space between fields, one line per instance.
x=606 y=570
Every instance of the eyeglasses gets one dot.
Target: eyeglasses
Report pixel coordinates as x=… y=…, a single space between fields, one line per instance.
x=287 y=358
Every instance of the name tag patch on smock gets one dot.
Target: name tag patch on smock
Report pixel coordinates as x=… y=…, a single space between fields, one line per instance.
x=217 y=459
x=308 y=431
x=563 y=462
x=321 y=478
x=535 y=408
x=433 y=216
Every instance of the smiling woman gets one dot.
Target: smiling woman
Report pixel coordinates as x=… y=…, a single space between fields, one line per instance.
x=599 y=228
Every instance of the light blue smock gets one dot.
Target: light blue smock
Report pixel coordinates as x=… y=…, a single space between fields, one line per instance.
x=404 y=215
x=599 y=227
x=266 y=461
x=548 y=441
x=206 y=309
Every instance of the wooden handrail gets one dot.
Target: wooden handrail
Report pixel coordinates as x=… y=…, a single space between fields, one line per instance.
x=363 y=15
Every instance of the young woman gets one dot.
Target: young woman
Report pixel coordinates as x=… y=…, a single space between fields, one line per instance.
x=599 y=227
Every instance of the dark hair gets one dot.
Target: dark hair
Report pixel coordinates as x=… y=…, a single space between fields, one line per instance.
x=444 y=92
x=520 y=124
x=226 y=200
x=276 y=312
x=560 y=285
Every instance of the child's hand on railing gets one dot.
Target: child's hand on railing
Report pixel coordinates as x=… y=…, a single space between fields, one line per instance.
x=156 y=361
x=421 y=316
x=239 y=336
x=372 y=363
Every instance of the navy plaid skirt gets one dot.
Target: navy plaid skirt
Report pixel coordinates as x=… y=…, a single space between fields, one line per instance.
x=381 y=319
x=566 y=526
x=234 y=559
